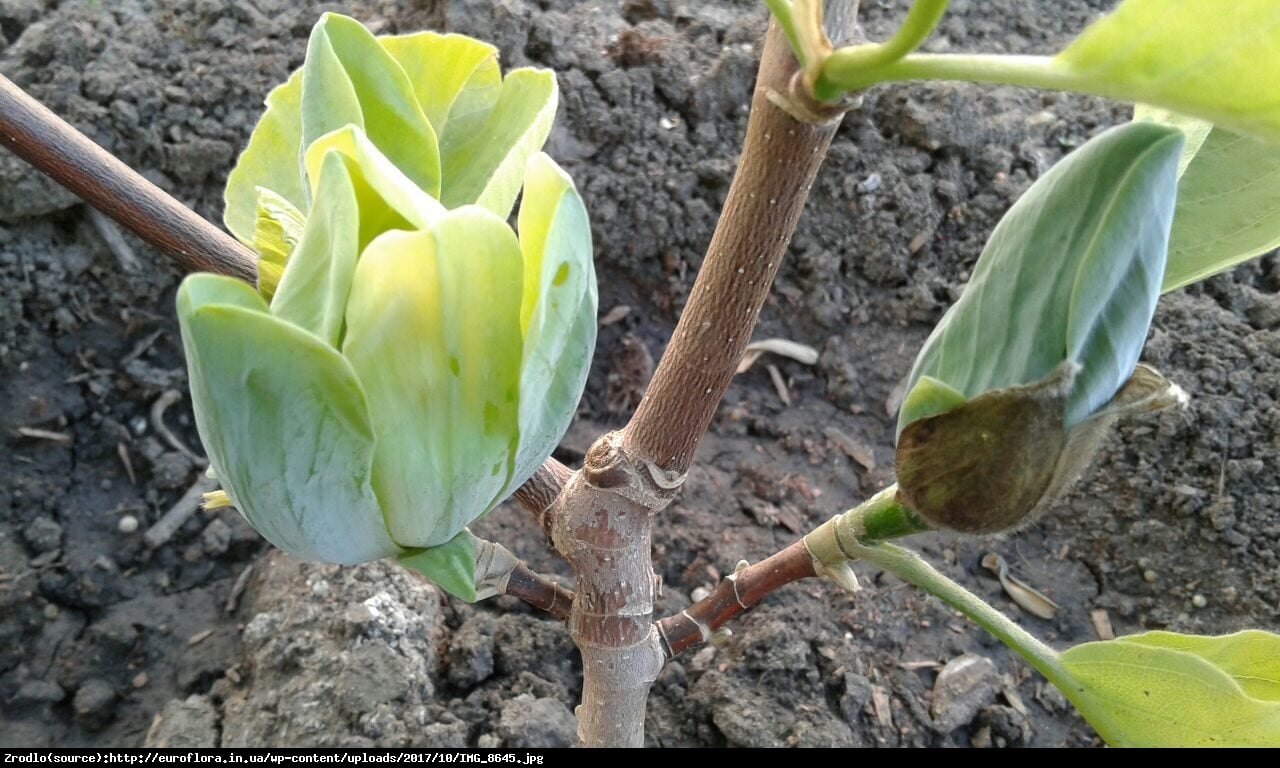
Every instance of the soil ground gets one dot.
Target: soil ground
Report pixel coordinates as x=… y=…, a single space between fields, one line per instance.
x=103 y=638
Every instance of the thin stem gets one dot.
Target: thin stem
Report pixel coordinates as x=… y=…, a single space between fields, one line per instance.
x=736 y=593
x=782 y=11
x=920 y=22
x=853 y=536
x=913 y=569
x=55 y=148
x=540 y=592
x=815 y=47
x=878 y=518
x=842 y=72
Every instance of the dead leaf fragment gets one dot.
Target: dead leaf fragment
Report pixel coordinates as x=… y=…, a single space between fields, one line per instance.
x=801 y=353
x=854 y=449
x=615 y=315
x=1027 y=597
x=1102 y=624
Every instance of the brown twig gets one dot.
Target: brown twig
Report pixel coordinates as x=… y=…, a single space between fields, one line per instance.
x=736 y=593
x=540 y=592
x=540 y=491
x=67 y=156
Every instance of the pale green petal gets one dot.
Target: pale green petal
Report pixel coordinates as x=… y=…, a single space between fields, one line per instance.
x=284 y=421
x=433 y=330
x=329 y=99
x=443 y=67
x=388 y=199
x=557 y=311
x=486 y=166
x=275 y=235
x=271 y=160
x=357 y=82
x=312 y=293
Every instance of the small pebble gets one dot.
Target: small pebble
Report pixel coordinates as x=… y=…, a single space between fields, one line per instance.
x=50 y=611
x=1199 y=601
x=128 y=524
x=140 y=680
x=1149 y=576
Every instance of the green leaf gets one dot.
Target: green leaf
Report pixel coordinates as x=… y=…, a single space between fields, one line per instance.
x=275 y=235
x=1165 y=690
x=557 y=310
x=447 y=71
x=1214 y=60
x=350 y=79
x=1251 y=657
x=1070 y=275
x=486 y=165
x=284 y=421
x=1194 y=130
x=272 y=160
x=312 y=293
x=433 y=328
x=450 y=566
x=1228 y=200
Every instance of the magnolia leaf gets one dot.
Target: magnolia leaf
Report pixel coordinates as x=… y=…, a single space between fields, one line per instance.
x=312 y=293
x=487 y=165
x=1251 y=657
x=1228 y=207
x=257 y=381
x=350 y=79
x=1194 y=130
x=557 y=310
x=1070 y=275
x=433 y=329
x=450 y=566
x=1214 y=60
x=1166 y=690
x=275 y=234
x=272 y=160
x=446 y=72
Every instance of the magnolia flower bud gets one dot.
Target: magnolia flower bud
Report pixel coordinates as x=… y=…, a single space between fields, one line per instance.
x=409 y=359
x=1017 y=386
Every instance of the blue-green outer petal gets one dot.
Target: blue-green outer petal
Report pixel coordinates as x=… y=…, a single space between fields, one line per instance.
x=285 y=423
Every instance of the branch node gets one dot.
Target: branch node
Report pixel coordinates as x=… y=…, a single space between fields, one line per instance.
x=609 y=467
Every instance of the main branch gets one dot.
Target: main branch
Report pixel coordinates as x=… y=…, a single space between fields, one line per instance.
x=780 y=158
x=602 y=522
